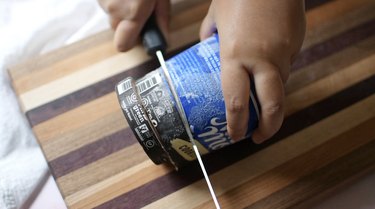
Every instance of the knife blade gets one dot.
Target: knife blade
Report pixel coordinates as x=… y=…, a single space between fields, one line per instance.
x=155 y=44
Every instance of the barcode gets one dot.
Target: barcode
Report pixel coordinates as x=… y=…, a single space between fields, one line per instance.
x=124 y=86
x=148 y=84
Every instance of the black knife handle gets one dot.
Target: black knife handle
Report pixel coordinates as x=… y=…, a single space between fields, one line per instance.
x=152 y=38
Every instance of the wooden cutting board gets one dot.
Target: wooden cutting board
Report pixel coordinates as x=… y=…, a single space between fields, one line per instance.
x=327 y=139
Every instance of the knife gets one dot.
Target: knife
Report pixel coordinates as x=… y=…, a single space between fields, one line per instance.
x=155 y=44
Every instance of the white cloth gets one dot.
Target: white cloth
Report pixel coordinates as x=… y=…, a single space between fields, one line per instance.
x=29 y=28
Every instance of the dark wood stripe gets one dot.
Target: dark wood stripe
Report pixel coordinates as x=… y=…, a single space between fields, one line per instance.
x=330 y=176
x=91 y=152
x=311 y=4
x=89 y=93
x=338 y=61
x=334 y=44
x=174 y=181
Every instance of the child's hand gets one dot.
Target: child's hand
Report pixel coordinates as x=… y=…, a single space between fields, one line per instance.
x=127 y=17
x=258 y=39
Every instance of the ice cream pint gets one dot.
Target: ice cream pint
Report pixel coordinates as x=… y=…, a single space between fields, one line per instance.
x=150 y=109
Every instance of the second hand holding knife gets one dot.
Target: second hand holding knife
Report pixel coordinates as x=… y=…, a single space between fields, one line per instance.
x=155 y=44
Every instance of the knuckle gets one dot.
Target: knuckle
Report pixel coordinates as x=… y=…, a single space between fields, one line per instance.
x=112 y=6
x=236 y=105
x=272 y=108
x=123 y=8
x=234 y=48
x=122 y=47
x=135 y=10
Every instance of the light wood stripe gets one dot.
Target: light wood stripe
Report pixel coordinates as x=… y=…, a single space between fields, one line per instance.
x=329 y=85
x=281 y=152
x=332 y=178
x=83 y=78
x=83 y=135
x=43 y=61
x=334 y=18
x=116 y=185
x=64 y=67
x=71 y=120
x=329 y=65
x=101 y=169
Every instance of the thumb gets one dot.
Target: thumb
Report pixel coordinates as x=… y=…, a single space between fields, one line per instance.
x=208 y=26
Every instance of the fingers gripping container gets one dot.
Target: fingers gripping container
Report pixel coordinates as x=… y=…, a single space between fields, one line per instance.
x=151 y=112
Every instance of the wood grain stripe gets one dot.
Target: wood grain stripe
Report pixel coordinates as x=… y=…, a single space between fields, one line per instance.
x=229 y=155
x=92 y=152
x=64 y=67
x=89 y=132
x=84 y=95
x=33 y=65
x=115 y=185
x=334 y=18
x=103 y=168
x=328 y=177
x=334 y=44
x=326 y=107
x=82 y=78
x=76 y=118
x=329 y=85
x=65 y=103
x=330 y=65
